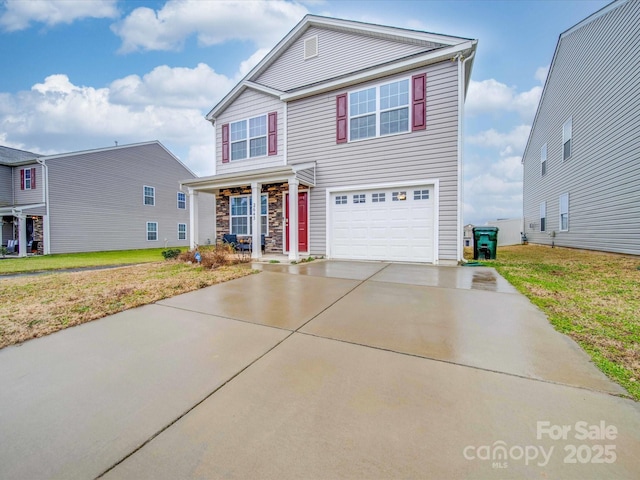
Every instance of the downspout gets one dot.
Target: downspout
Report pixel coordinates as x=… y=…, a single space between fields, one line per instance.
x=461 y=88
x=46 y=226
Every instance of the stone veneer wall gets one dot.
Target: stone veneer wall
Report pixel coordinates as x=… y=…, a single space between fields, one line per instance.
x=275 y=192
x=38 y=234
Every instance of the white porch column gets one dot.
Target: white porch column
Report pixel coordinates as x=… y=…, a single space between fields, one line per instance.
x=22 y=234
x=256 y=224
x=293 y=219
x=193 y=219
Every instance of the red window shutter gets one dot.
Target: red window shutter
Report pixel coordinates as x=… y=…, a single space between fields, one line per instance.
x=225 y=143
x=22 y=179
x=33 y=178
x=341 y=118
x=419 y=102
x=273 y=133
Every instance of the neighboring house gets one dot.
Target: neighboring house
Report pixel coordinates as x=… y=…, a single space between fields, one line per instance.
x=582 y=160
x=467 y=235
x=117 y=198
x=346 y=138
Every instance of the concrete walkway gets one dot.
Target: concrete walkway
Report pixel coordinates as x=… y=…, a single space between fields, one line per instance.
x=320 y=370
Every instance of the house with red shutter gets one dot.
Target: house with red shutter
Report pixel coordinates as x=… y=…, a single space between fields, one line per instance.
x=345 y=141
x=115 y=198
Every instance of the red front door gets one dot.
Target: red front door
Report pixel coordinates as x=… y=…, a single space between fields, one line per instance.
x=303 y=245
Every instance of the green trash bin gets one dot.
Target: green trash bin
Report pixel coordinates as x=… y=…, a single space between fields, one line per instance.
x=485 y=242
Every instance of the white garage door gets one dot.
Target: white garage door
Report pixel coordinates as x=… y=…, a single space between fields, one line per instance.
x=383 y=224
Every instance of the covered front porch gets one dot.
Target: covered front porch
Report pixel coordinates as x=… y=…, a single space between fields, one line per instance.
x=22 y=229
x=268 y=208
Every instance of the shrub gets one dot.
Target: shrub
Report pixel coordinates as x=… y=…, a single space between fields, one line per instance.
x=171 y=253
x=211 y=256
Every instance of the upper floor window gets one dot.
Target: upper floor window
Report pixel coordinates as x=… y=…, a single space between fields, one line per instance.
x=566 y=139
x=564 y=212
x=149 y=195
x=27 y=179
x=377 y=111
x=543 y=159
x=543 y=217
x=182 y=201
x=249 y=138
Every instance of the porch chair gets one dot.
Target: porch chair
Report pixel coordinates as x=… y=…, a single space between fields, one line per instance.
x=232 y=239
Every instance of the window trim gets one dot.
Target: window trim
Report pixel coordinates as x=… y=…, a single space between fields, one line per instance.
x=247 y=139
x=185 y=231
x=27 y=171
x=184 y=201
x=144 y=196
x=156 y=232
x=248 y=215
x=560 y=211
x=543 y=160
x=543 y=217
x=378 y=110
x=568 y=125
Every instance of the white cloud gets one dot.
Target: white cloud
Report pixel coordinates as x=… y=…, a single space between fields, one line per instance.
x=214 y=22
x=490 y=96
x=541 y=74
x=515 y=140
x=252 y=61
x=18 y=14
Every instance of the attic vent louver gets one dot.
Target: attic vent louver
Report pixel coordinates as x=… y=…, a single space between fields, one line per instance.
x=311 y=47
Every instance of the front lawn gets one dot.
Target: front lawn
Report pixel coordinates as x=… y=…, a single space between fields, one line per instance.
x=593 y=297
x=35 y=263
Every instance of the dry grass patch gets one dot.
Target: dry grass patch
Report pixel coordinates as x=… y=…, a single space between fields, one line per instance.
x=593 y=297
x=35 y=306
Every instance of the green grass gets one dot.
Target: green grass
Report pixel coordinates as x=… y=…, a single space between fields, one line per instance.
x=593 y=297
x=78 y=260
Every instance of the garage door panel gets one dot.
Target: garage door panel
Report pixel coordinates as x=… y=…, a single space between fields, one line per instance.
x=385 y=229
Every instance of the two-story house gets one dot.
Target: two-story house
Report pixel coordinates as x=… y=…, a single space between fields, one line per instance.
x=116 y=198
x=582 y=159
x=345 y=141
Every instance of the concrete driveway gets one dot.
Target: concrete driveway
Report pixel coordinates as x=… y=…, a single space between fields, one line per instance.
x=321 y=370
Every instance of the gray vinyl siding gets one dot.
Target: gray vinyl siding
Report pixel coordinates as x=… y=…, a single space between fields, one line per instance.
x=6 y=189
x=25 y=197
x=96 y=199
x=250 y=104
x=339 y=53
x=427 y=154
x=596 y=82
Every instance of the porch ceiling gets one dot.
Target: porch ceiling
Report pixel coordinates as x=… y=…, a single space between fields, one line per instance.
x=263 y=176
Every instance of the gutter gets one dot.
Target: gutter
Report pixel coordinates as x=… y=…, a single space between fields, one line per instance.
x=46 y=226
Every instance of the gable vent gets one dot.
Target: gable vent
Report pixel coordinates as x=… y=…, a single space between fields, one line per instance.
x=311 y=47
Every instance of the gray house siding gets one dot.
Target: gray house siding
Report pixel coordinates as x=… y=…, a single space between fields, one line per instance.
x=6 y=189
x=250 y=103
x=339 y=53
x=25 y=197
x=96 y=199
x=427 y=154
x=593 y=82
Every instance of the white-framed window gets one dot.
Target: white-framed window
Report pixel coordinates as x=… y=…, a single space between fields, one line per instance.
x=543 y=159
x=240 y=209
x=398 y=196
x=182 y=231
x=248 y=138
x=341 y=200
x=564 y=212
x=567 y=132
x=359 y=198
x=182 y=201
x=378 y=197
x=152 y=231
x=27 y=178
x=543 y=217
x=379 y=110
x=421 y=194
x=149 y=195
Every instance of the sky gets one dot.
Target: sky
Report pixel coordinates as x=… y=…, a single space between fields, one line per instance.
x=85 y=74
